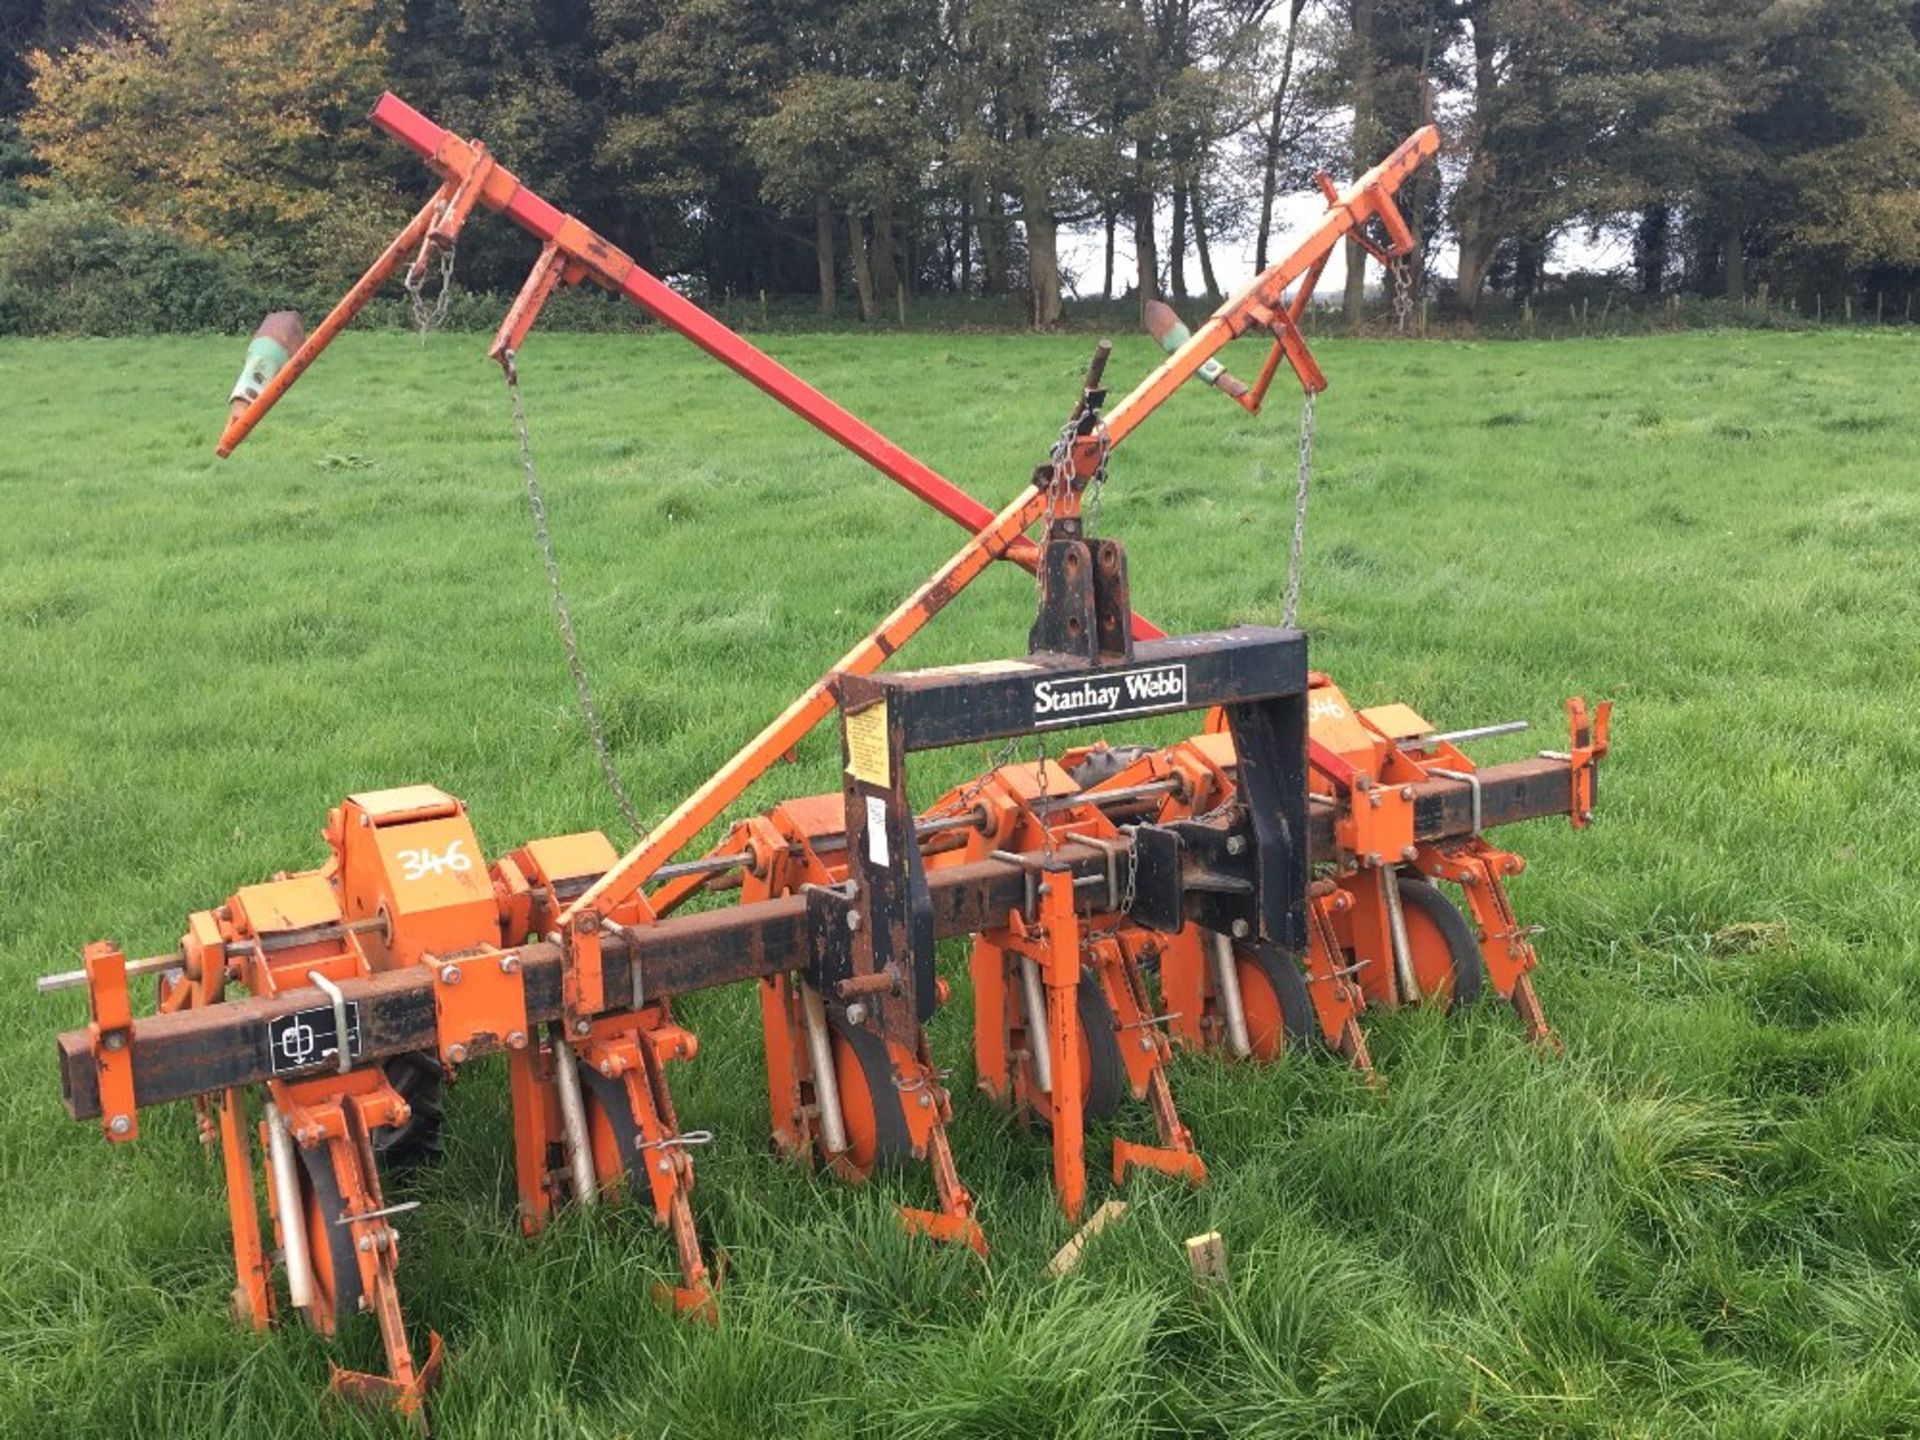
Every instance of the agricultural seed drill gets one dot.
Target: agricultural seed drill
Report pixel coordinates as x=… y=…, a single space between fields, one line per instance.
x=1260 y=884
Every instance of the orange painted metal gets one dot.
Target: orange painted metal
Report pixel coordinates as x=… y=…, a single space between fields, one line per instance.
x=351 y=304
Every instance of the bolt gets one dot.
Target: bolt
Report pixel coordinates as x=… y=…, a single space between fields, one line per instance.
x=449 y=974
x=856 y=1013
x=516 y=1039
x=1236 y=845
x=665 y=1167
x=456 y=1054
x=926 y=1101
x=121 y=1125
x=1240 y=929
x=853 y=919
x=509 y=964
x=1586 y=816
x=1146 y=1042
x=1375 y=859
x=382 y=1238
x=588 y=923
x=1409 y=853
x=1374 y=798
x=1406 y=792
x=366 y=1244
x=115 y=1040
x=402 y=1113
x=583 y=1027
x=606 y=1068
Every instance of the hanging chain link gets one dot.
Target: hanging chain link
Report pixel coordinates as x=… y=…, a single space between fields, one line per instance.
x=1004 y=756
x=1040 y=801
x=1402 y=294
x=1290 y=611
x=537 y=503
x=1097 y=486
x=429 y=315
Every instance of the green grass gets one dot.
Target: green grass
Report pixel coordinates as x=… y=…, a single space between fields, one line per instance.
x=1703 y=1219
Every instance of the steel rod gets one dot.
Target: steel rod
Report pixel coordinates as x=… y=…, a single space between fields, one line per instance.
x=286 y=1199
x=826 y=1080
x=573 y=1122
x=1034 y=997
x=1474 y=732
x=1226 y=984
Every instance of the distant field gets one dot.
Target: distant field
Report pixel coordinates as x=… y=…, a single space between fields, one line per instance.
x=1703 y=1219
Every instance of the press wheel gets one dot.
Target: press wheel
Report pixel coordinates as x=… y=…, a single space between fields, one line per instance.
x=330 y=1245
x=612 y=1130
x=870 y=1103
x=1101 y=1069
x=1441 y=944
x=1273 y=994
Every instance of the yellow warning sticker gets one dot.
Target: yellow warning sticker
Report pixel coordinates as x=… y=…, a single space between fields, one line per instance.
x=867 y=745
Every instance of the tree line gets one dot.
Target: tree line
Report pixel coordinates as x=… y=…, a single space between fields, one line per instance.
x=867 y=152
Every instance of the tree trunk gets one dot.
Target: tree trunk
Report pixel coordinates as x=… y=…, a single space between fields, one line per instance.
x=1200 y=240
x=1270 y=155
x=1652 y=239
x=823 y=249
x=1043 y=259
x=862 y=263
x=1177 y=243
x=1106 y=275
x=1477 y=246
x=1733 y=262
x=993 y=244
x=886 y=273
x=1363 y=147
x=1145 y=249
x=966 y=242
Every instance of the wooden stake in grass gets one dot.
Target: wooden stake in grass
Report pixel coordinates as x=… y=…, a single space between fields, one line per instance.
x=1207 y=1258
x=1069 y=1254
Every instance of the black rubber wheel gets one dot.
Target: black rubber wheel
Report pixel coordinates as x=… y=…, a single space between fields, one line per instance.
x=607 y=1102
x=421 y=1083
x=871 y=1104
x=336 y=1266
x=1273 y=994
x=1446 y=956
x=1103 y=1073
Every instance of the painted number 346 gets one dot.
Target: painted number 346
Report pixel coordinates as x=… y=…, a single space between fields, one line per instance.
x=418 y=864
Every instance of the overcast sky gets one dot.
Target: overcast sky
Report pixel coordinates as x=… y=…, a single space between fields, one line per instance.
x=1082 y=253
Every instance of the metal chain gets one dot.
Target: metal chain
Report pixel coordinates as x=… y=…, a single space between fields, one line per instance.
x=1290 y=611
x=966 y=797
x=428 y=316
x=1040 y=801
x=1402 y=294
x=1097 y=486
x=536 y=502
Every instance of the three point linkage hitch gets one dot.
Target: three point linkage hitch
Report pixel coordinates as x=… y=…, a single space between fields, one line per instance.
x=1263 y=883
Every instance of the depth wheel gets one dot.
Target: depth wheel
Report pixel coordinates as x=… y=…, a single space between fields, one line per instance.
x=1273 y=993
x=1445 y=955
x=336 y=1267
x=871 y=1104
x=1101 y=1068
x=421 y=1082
x=612 y=1131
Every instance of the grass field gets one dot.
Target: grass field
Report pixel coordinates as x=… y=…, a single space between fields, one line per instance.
x=1703 y=1219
